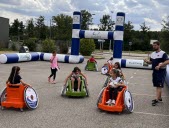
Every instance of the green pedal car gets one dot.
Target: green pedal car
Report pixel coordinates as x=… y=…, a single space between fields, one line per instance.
x=91 y=66
x=67 y=89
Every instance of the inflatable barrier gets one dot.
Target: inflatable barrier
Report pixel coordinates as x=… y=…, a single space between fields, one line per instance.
x=35 y=56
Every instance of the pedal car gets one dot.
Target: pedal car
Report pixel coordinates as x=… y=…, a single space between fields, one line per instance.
x=124 y=101
x=106 y=69
x=67 y=89
x=18 y=96
x=91 y=66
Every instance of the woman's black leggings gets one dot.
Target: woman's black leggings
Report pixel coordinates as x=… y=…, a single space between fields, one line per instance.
x=53 y=73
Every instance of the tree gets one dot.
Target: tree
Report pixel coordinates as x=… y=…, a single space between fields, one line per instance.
x=165 y=24
x=63 y=27
x=145 y=37
x=106 y=23
x=14 y=29
x=128 y=32
x=21 y=29
x=41 y=28
x=86 y=19
x=30 y=28
x=165 y=34
x=144 y=28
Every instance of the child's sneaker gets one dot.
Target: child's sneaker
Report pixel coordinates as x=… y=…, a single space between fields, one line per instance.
x=78 y=90
x=113 y=102
x=73 y=90
x=53 y=82
x=109 y=101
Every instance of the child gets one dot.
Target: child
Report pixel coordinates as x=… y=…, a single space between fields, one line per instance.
x=14 y=77
x=54 y=67
x=75 y=76
x=92 y=59
x=115 y=84
x=118 y=67
x=110 y=61
x=109 y=64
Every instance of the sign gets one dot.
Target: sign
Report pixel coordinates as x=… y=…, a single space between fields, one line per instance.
x=101 y=41
x=130 y=43
x=31 y=98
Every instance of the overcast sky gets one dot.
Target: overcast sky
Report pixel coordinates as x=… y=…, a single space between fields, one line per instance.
x=137 y=11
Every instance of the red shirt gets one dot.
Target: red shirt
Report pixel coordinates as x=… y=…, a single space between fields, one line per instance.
x=92 y=60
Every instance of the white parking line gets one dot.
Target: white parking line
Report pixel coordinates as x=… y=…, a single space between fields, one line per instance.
x=154 y=114
x=131 y=77
x=147 y=95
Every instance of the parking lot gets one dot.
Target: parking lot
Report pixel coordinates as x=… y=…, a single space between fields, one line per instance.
x=55 y=111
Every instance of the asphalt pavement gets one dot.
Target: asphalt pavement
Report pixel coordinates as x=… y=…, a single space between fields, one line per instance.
x=55 y=111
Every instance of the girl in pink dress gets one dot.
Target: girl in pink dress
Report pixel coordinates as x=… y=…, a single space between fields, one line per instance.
x=54 y=67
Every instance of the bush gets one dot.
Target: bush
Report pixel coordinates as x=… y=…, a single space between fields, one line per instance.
x=63 y=48
x=48 y=46
x=31 y=43
x=13 y=47
x=87 y=46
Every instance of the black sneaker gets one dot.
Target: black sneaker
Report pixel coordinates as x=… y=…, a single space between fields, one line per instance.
x=154 y=102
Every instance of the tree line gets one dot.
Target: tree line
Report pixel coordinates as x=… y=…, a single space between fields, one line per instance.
x=60 y=28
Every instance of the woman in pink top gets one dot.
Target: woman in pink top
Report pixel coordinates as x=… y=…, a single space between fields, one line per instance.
x=54 y=67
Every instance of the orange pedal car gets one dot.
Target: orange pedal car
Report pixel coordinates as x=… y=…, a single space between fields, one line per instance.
x=18 y=96
x=106 y=69
x=124 y=100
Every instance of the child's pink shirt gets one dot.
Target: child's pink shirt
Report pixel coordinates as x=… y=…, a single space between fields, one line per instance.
x=54 y=63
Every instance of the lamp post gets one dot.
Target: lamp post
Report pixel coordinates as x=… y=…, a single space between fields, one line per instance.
x=111 y=29
x=130 y=43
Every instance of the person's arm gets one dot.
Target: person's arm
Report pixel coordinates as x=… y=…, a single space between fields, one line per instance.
x=84 y=77
x=24 y=83
x=68 y=77
x=148 y=61
x=7 y=82
x=52 y=58
x=120 y=84
x=162 y=65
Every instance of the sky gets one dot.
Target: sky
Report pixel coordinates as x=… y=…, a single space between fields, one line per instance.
x=152 y=12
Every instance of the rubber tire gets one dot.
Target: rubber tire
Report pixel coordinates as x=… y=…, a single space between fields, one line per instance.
x=100 y=96
x=63 y=92
x=127 y=109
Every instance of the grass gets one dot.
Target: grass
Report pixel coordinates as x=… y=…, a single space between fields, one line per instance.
x=5 y=50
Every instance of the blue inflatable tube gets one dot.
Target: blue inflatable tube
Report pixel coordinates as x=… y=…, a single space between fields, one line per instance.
x=63 y=58
x=19 y=57
x=167 y=75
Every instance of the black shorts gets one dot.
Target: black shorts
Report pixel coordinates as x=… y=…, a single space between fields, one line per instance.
x=158 y=78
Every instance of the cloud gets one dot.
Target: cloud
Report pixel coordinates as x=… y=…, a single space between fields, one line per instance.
x=137 y=11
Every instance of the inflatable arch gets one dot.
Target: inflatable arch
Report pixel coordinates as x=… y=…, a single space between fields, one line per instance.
x=77 y=33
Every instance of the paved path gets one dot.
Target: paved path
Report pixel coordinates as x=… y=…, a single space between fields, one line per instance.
x=55 y=111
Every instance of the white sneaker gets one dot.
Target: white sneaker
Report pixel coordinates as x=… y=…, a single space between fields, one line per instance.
x=73 y=90
x=78 y=90
x=109 y=101
x=113 y=102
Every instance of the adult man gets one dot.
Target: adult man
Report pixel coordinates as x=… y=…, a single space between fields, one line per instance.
x=157 y=57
